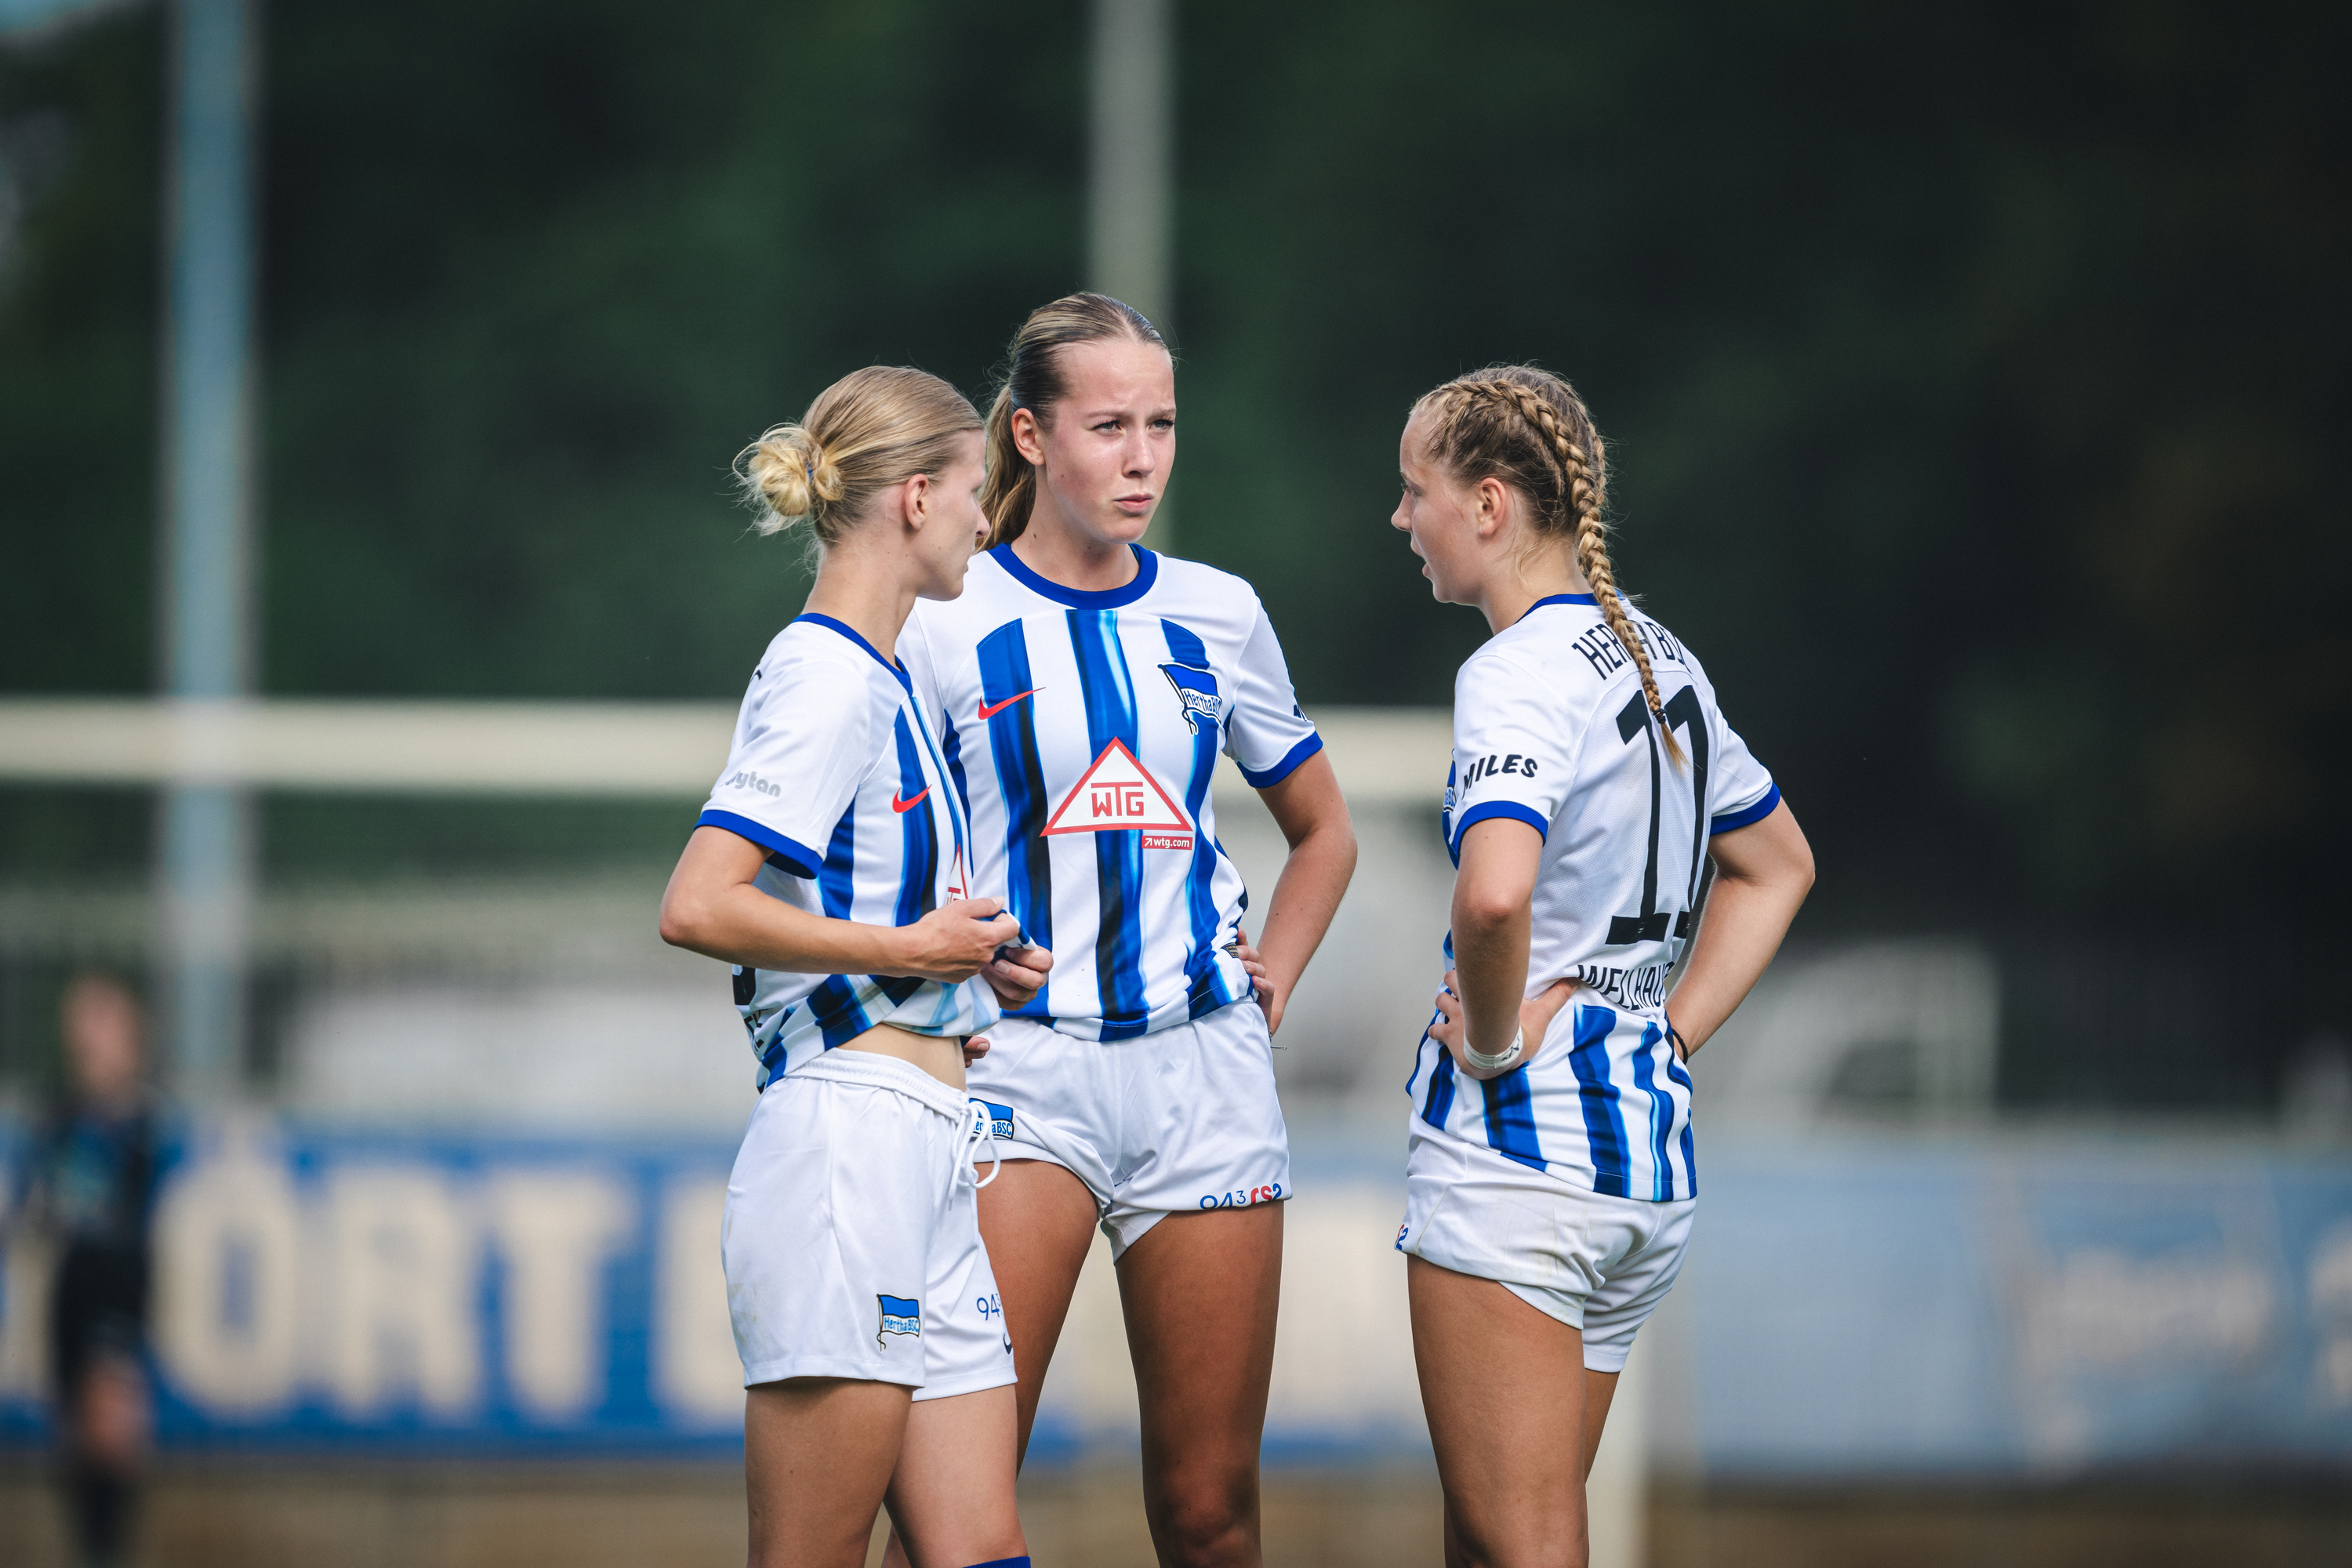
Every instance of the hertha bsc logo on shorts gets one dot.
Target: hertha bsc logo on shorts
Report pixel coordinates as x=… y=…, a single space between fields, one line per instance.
x=1000 y=1119
x=901 y=1315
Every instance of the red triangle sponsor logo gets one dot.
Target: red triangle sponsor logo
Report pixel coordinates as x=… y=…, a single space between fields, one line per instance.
x=1118 y=793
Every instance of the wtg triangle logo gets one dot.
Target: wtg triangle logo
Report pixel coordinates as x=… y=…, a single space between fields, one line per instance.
x=1116 y=794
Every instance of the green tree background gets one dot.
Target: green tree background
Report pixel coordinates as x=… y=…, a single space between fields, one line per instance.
x=1976 y=381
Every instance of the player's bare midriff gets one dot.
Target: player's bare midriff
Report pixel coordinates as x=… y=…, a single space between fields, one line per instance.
x=942 y=1056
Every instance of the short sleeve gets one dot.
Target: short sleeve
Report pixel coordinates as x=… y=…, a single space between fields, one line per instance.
x=1740 y=791
x=804 y=742
x=1514 y=747
x=1265 y=733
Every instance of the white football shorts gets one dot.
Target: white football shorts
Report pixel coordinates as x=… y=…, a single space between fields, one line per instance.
x=852 y=1237
x=1599 y=1263
x=1177 y=1121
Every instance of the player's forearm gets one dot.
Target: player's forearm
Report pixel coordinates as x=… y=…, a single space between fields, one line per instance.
x=1760 y=884
x=1306 y=897
x=1490 y=967
x=740 y=924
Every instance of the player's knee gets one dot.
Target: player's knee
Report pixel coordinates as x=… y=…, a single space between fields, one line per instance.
x=1516 y=1538
x=1210 y=1523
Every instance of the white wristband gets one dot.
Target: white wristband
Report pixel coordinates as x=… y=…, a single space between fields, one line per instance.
x=1495 y=1063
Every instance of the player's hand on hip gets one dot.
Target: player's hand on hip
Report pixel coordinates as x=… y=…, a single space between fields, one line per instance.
x=1538 y=1011
x=1270 y=1001
x=956 y=940
x=1536 y=1016
x=974 y=1047
x=1015 y=974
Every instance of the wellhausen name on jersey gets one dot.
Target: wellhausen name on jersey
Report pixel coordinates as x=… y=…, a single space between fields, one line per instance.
x=1601 y=649
x=1639 y=988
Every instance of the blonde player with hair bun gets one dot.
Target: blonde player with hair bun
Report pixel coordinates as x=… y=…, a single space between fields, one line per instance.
x=831 y=869
x=1552 y=1170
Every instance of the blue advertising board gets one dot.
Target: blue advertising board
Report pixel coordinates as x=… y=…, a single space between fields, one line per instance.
x=334 y=1290
x=1856 y=1306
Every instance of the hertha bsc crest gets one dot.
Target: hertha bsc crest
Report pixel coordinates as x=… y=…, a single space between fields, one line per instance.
x=901 y=1315
x=1196 y=690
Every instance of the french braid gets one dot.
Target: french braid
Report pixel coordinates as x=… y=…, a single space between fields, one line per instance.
x=1567 y=482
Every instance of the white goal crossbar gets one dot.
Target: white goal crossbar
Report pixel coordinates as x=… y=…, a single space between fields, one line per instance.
x=647 y=750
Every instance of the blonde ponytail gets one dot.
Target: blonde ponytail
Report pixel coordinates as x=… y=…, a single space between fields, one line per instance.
x=1528 y=428
x=871 y=430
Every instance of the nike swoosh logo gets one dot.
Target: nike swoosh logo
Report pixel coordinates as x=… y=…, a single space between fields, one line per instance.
x=903 y=806
x=990 y=709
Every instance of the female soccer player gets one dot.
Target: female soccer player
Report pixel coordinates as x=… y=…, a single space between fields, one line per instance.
x=1083 y=688
x=1548 y=1199
x=830 y=868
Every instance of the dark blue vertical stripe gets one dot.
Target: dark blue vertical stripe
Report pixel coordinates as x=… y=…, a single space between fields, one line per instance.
x=834 y=1004
x=1662 y=1114
x=1440 y=1103
x=1118 y=852
x=836 y=878
x=1676 y=1070
x=1415 y=1077
x=918 y=833
x=1207 y=990
x=954 y=807
x=1021 y=777
x=1511 y=1118
x=952 y=751
x=1604 y=1127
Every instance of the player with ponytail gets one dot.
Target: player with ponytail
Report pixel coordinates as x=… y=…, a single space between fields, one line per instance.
x=830 y=870
x=1552 y=1170
x=1084 y=688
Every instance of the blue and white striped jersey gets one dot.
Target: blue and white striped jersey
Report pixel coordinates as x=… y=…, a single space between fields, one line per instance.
x=1082 y=729
x=1551 y=728
x=834 y=774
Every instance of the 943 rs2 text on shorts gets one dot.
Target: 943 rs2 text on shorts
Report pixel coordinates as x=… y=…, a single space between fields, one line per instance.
x=1180 y=1119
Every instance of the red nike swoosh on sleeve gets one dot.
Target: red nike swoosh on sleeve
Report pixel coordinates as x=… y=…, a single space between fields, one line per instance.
x=990 y=709
x=906 y=806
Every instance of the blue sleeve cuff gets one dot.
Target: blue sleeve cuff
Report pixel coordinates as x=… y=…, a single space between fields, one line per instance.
x=1731 y=821
x=1285 y=768
x=1477 y=814
x=791 y=854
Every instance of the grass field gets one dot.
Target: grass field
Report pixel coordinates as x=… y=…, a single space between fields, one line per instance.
x=256 y=1515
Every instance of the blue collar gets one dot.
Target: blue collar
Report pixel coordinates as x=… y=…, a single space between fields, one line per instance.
x=900 y=675
x=1147 y=571
x=1555 y=599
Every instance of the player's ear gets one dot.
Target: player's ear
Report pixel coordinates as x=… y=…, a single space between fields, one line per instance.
x=1028 y=436
x=1494 y=501
x=915 y=502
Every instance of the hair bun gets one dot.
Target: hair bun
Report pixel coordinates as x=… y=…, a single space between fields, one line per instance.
x=776 y=476
x=881 y=425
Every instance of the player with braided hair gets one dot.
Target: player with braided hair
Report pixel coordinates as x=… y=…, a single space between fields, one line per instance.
x=1552 y=1170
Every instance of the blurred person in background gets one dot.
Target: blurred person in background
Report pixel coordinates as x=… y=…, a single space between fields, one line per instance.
x=830 y=868
x=1083 y=688
x=91 y=1188
x=1550 y=1200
